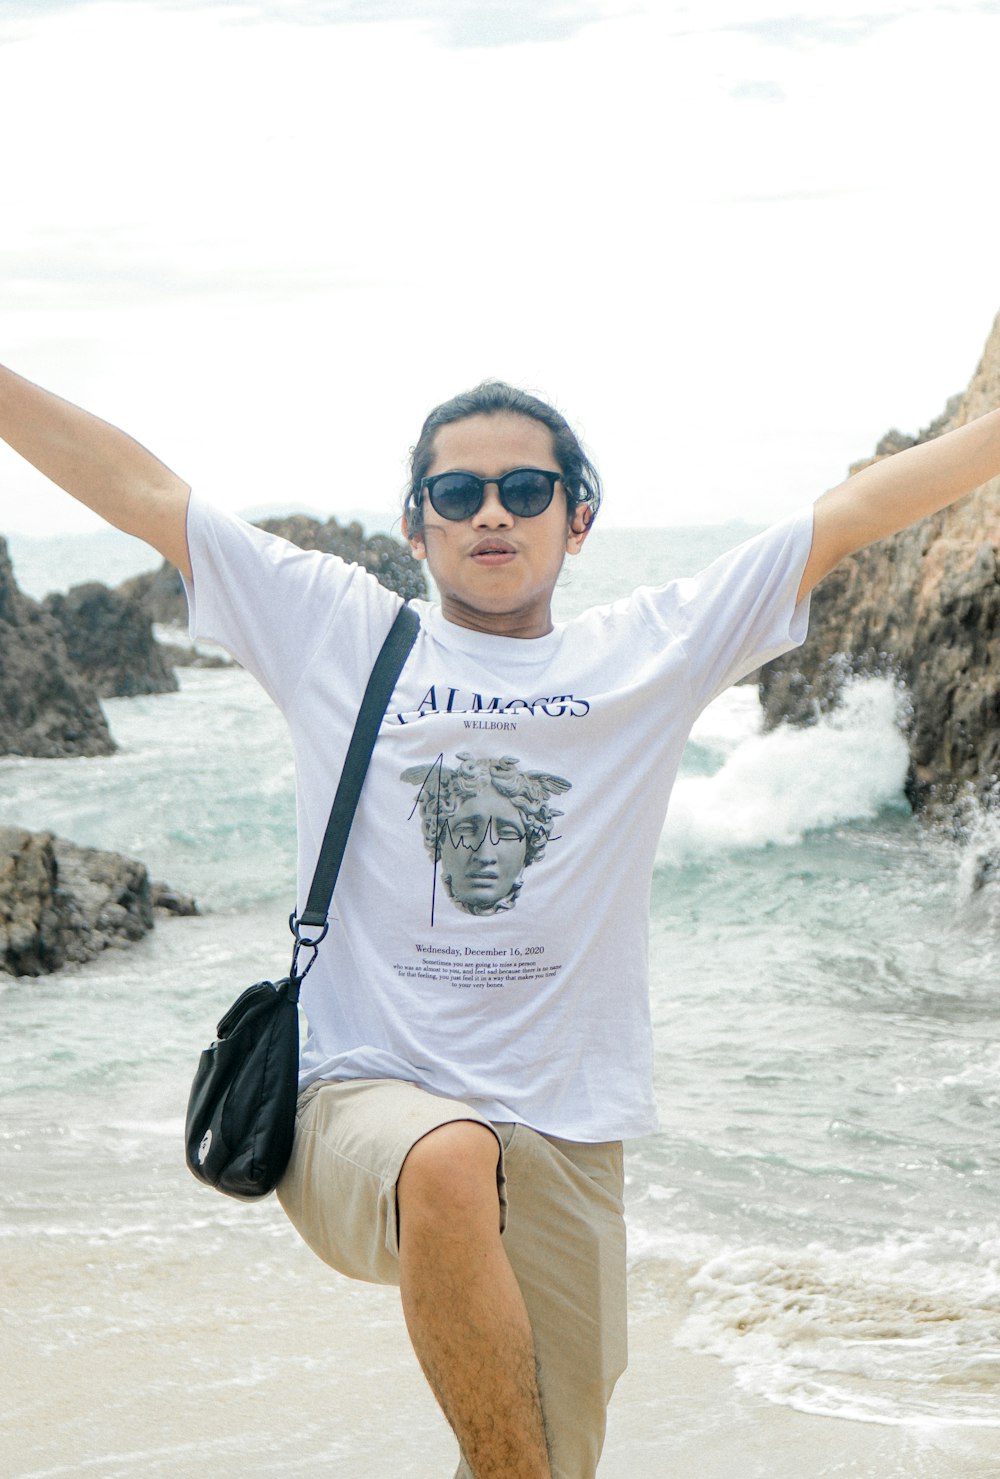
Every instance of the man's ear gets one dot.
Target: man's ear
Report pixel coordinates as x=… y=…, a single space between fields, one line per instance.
x=416 y=542
x=579 y=528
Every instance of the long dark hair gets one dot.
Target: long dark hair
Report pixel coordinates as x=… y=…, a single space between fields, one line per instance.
x=579 y=476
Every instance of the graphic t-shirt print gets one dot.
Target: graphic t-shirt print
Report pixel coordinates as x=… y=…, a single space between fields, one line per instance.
x=484 y=821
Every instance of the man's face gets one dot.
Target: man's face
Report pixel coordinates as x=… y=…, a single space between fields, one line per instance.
x=483 y=849
x=496 y=573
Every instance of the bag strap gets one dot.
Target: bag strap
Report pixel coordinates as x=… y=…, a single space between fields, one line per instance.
x=386 y=670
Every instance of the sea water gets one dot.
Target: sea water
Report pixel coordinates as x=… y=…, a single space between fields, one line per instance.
x=821 y=1204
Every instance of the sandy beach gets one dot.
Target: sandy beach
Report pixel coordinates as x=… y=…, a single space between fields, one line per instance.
x=245 y=1356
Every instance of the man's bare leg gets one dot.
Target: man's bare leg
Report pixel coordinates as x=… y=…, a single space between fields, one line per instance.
x=462 y=1304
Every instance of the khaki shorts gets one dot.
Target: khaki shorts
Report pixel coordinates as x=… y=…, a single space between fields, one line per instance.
x=561 y=1216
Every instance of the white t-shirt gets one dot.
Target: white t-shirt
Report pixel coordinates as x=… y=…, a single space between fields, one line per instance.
x=488 y=935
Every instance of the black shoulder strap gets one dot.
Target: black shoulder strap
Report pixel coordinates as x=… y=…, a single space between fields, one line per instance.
x=387 y=668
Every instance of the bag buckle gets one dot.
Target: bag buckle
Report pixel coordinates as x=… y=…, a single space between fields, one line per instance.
x=304 y=942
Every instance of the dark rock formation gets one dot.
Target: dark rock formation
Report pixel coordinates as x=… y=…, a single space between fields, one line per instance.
x=161 y=594
x=46 y=708
x=62 y=904
x=925 y=606
x=190 y=657
x=389 y=559
x=110 y=639
x=169 y=901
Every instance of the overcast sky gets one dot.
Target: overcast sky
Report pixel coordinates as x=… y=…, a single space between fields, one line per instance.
x=734 y=240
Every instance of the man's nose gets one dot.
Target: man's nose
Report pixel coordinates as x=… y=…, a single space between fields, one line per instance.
x=491 y=513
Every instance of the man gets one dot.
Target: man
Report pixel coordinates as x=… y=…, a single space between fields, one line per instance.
x=469 y=1075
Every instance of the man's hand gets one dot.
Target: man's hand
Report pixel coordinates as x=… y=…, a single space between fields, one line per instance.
x=97 y=464
x=900 y=490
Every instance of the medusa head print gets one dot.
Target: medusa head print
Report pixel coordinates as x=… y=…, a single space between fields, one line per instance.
x=484 y=821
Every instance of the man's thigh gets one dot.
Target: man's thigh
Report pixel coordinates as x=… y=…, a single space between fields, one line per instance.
x=565 y=1238
x=339 y=1191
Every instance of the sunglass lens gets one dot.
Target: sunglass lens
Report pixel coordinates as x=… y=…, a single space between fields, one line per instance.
x=524 y=493
x=527 y=493
x=455 y=495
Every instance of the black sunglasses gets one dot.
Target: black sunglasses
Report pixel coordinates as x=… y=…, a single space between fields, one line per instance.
x=525 y=492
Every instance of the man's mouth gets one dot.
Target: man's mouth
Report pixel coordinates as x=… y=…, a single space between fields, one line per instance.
x=492 y=552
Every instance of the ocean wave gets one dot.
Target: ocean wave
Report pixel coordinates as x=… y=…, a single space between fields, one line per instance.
x=772 y=789
x=898 y=1332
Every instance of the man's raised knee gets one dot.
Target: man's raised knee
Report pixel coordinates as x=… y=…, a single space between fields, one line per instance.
x=449 y=1179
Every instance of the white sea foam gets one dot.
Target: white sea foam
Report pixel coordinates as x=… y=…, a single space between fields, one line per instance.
x=978 y=871
x=776 y=787
x=730 y=721
x=899 y=1332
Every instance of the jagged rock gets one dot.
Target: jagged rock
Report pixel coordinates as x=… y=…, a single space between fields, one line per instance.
x=894 y=441
x=110 y=639
x=389 y=559
x=161 y=594
x=190 y=657
x=46 y=708
x=169 y=901
x=30 y=924
x=923 y=606
x=61 y=904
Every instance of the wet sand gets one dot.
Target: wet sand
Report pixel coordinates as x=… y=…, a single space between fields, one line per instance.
x=242 y=1356
x=681 y=1416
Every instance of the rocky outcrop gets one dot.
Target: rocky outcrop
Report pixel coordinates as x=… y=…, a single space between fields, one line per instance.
x=924 y=606
x=190 y=656
x=110 y=640
x=46 y=708
x=161 y=594
x=168 y=901
x=389 y=559
x=61 y=904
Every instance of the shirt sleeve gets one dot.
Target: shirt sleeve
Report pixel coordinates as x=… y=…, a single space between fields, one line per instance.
x=741 y=610
x=271 y=604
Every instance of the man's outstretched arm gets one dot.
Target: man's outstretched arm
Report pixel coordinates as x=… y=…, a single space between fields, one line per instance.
x=900 y=490
x=97 y=464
